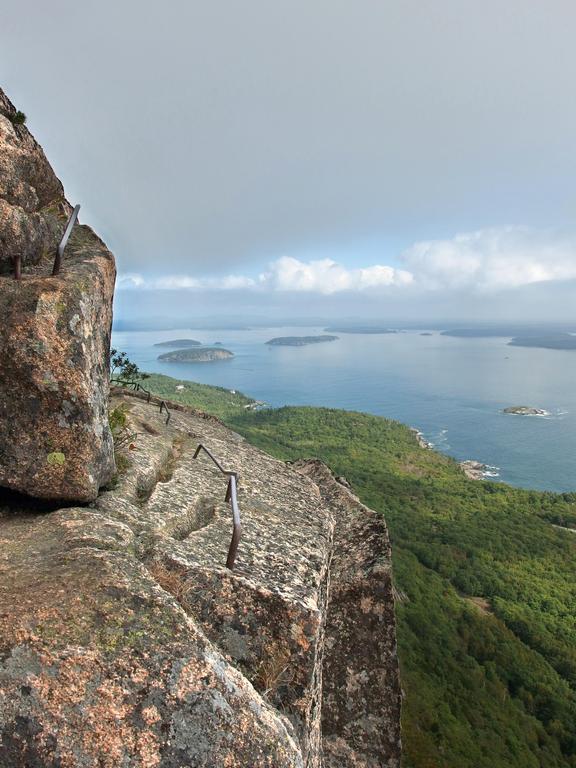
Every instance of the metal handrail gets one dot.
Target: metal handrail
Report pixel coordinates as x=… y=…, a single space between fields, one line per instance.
x=17 y=260
x=232 y=497
x=137 y=387
x=65 y=236
x=164 y=407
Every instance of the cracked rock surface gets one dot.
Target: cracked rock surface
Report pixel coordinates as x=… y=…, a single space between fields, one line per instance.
x=124 y=640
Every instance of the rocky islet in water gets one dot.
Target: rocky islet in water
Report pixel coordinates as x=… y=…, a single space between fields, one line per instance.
x=525 y=410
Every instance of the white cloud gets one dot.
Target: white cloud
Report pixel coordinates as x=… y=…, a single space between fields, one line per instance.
x=130 y=280
x=327 y=276
x=174 y=282
x=183 y=282
x=492 y=260
x=485 y=261
x=234 y=282
x=323 y=276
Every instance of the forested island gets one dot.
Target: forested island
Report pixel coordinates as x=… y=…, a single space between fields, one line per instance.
x=204 y=355
x=179 y=343
x=547 y=337
x=550 y=341
x=299 y=341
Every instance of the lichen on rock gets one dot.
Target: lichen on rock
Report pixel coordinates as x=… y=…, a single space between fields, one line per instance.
x=54 y=333
x=124 y=640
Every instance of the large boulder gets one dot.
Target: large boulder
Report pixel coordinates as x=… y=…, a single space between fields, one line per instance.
x=55 y=442
x=101 y=667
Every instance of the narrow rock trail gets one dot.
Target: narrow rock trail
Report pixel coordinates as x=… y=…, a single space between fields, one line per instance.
x=137 y=581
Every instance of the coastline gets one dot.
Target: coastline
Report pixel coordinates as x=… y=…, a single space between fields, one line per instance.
x=474 y=470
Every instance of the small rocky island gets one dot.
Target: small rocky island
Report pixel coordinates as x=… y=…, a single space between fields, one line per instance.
x=180 y=343
x=525 y=410
x=204 y=355
x=299 y=341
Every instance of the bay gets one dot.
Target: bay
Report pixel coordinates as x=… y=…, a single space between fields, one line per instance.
x=452 y=389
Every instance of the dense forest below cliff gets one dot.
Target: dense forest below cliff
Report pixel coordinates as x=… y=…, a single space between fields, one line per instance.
x=485 y=578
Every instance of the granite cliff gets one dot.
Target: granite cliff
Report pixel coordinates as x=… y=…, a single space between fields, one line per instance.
x=54 y=332
x=125 y=641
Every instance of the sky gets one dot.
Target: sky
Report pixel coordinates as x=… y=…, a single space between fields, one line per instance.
x=407 y=159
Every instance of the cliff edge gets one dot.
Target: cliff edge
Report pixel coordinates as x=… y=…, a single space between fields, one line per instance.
x=55 y=442
x=125 y=641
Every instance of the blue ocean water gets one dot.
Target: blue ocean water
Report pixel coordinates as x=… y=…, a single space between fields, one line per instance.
x=452 y=389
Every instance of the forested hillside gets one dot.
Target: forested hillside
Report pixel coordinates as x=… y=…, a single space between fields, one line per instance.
x=487 y=594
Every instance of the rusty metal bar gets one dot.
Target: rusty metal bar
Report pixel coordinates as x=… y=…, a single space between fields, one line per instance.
x=17 y=260
x=65 y=236
x=139 y=388
x=164 y=407
x=214 y=459
x=232 y=497
x=236 y=524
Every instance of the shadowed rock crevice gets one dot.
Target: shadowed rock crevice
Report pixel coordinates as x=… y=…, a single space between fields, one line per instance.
x=14 y=503
x=202 y=514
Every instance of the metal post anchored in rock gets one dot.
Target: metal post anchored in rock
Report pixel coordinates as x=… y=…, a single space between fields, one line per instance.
x=65 y=236
x=17 y=267
x=231 y=498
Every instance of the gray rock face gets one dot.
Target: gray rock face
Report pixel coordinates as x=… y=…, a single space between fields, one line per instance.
x=361 y=690
x=55 y=442
x=160 y=656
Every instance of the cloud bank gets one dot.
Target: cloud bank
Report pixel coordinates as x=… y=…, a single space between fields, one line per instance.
x=492 y=260
x=238 y=131
x=485 y=261
x=326 y=276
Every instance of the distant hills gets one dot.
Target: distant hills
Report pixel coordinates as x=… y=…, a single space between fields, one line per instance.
x=521 y=336
x=551 y=341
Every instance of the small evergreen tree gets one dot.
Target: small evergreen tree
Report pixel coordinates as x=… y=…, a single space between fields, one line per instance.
x=19 y=118
x=123 y=369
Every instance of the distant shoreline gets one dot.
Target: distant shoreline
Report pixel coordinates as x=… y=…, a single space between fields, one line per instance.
x=299 y=341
